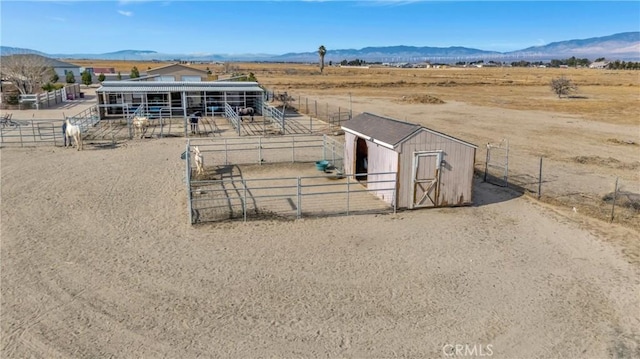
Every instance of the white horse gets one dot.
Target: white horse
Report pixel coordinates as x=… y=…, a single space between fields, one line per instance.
x=199 y=159
x=140 y=125
x=246 y=111
x=72 y=131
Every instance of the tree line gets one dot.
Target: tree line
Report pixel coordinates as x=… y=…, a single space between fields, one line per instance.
x=576 y=62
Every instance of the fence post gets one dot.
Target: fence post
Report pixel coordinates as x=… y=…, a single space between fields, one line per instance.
x=316 y=107
x=395 y=191
x=33 y=131
x=613 y=206
x=260 y=150
x=226 y=151
x=324 y=147
x=310 y=125
x=21 y=140
x=486 y=164
x=333 y=152
x=188 y=179
x=244 y=201
x=540 y=179
x=506 y=170
x=348 y=194
x=299 y=199
x=293 y=149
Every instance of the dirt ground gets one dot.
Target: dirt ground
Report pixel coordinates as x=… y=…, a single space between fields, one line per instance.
x=98 y=258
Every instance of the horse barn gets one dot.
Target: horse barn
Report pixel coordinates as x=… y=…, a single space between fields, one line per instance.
x=431 y=169
x=167 y=99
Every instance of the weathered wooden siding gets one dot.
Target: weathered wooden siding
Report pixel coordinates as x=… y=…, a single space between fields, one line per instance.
x=380 y=160
x=349 y=153
x=456 y=178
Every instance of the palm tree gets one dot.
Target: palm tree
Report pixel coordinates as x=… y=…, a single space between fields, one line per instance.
x=322 y=51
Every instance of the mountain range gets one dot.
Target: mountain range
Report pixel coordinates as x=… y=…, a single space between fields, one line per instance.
x=622 y=46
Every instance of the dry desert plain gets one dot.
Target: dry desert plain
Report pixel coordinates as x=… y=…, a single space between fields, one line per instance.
x=97 y=258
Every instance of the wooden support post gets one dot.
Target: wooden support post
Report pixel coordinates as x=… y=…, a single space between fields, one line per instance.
x=615 y=195
x=540 y=179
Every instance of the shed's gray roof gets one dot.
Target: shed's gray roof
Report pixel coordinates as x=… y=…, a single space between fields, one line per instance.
x=383 y=129
x=128 y=86
x=388 y=130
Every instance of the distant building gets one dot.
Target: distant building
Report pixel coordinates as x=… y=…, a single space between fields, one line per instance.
x=61 y=68
x=599 y=65
x=101 y=70
x=177 y=72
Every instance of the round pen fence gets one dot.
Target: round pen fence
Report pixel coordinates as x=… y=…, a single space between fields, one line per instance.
x=286 y=177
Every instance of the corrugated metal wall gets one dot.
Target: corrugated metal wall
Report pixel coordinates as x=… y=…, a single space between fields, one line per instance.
x=456 y=178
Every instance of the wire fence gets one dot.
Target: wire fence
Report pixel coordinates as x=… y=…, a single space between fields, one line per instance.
x=599 y=187
x=335 y=116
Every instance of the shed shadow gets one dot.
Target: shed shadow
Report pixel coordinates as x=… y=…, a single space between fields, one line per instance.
x=488 y=192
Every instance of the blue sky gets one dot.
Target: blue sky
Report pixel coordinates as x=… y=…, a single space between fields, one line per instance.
x=278 y=27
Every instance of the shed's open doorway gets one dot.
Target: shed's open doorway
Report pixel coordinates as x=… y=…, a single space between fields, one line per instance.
x=362 y=154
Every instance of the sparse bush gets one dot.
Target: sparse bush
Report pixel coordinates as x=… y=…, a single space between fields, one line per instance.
x=47 y=87
x=12 y=99
x=87 y=78
x=562 y=86
x=134 y=73
x=71 y=79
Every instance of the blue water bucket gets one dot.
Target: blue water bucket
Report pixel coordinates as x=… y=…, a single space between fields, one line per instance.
x=322 y=165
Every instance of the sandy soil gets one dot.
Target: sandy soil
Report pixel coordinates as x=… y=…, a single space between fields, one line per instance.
x=98 y=258
x=98 y=261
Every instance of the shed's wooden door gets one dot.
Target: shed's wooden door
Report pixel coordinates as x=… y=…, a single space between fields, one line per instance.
x=426 y=178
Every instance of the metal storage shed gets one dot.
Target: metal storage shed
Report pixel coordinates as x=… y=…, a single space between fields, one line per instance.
x=432 y=169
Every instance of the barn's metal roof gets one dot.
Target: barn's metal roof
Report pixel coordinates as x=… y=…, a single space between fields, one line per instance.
x=177 y=86
x=387 y=131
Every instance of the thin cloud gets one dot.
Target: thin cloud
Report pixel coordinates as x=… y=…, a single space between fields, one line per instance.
x=125 y=13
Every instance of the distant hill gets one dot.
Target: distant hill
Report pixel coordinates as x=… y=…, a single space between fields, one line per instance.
x=623 y=46
x=6 y=51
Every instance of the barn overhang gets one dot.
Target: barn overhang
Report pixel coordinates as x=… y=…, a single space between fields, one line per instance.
x=177 y=86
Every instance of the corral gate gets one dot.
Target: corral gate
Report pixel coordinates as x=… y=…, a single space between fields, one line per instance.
x=496 y=169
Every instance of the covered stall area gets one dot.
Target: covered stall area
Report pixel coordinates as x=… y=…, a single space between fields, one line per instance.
x=433 y=169
x=176 y=99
